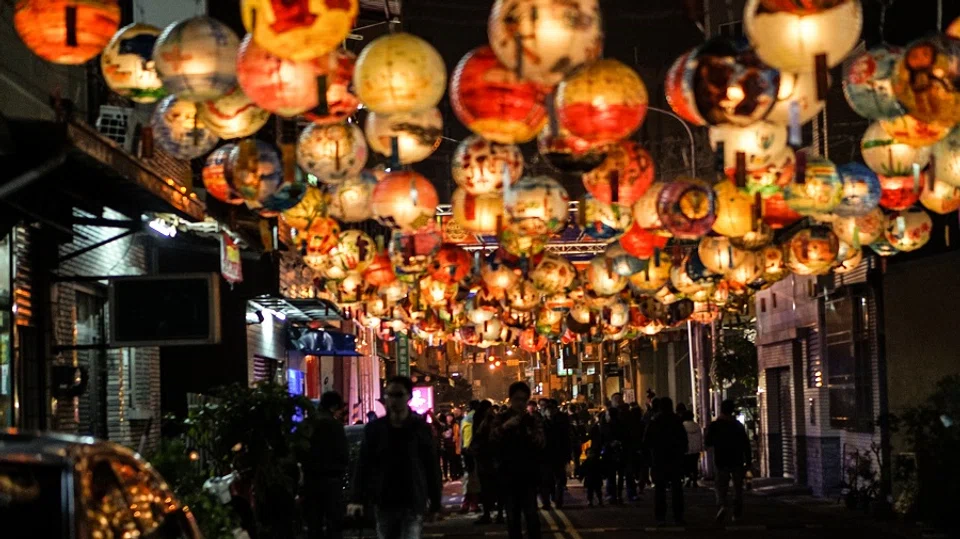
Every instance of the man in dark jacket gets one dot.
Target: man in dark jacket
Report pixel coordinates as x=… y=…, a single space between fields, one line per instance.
x=398 y=473
x=556 y=428
x=732 y=456
x=666 y=441
x=519 y=441
x=324 y=469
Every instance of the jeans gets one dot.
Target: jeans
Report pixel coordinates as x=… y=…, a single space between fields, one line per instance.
x=398 y=523
x=522 y=503
x=723 y=484
x=554 y=483
x=673 y=479
x=324 y=508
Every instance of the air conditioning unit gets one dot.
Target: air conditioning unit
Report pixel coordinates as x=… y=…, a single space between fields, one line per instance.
x=119 y=124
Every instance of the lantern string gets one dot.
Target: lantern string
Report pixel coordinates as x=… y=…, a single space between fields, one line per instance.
x=939 y=15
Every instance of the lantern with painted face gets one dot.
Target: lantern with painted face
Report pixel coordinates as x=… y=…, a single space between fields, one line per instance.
x=553 y=274
x=354 y=252
x=812 y=251
x=654 y=276
x=197 y=58
x=604 y=222
x=350 y=201
x=418 y=134
x=927 y=80
x=868 y=83
x=735 y=211
x=411 y=253
x=332 y=152
x=730 y=83
x=860 y=230
x=687 y=208
x=718 y=254
x=299 y=29
x=215 y=179
x=861 y=190
x=538 y=205
x=68 y=32
x=908 y=230
x=451 y=264
x=761 y=143
x=399 y=72
x=603 y=102
x=628 y=167
x=908 y=130
x=947 y=159
x=900 y=192
x=127 y=64
x=405 y=201
x=820 y=192
x=478 y=165
x=233 y=115
x=885 y=155
x=602 y=278
x=477 y=214
x=179 y=130
x=940 y=197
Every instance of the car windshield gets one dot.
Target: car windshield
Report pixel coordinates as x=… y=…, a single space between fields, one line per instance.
x=31 y=500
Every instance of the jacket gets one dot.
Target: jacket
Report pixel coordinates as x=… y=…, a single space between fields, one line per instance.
x=466 y=430
x=666 y=440
x=731 y=446
x=518 y=447
x=329 y=452
x=694 y=437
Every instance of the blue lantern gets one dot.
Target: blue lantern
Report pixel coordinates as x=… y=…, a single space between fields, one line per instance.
x=861 y=190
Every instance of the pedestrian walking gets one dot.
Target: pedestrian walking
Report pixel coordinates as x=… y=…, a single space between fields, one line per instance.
x=485 y=455
x=732 y=457
x=691 y=465
x=556 y=426
x=471 y=482
x=593 y=476
x=666 y=440
x=519 y=441
x=398 y=473
x=323 y=471
x=456 y=458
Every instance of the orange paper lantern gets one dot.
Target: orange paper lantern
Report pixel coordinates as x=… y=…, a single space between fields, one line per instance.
x=628 y=166
x=404 y=200
x=66 y=32
x=603 y=102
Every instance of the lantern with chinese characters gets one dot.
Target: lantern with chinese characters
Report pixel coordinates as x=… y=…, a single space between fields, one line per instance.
x=718 y=254
x=553 y=274
x=256 y=172
x=687 y=208
x=908 y=230
x=477 y=214
x=760 y=143
x=418 y=134
x=622 y=262
x=319 y=239
x=868 y=83
x=812 y=251
x=885 y=155
x=769 y=179
x=350 y=201
x=678 y=88
x=927 y=80
x=279 y=85
x=490 y=330
x=451 y=264
x=380 y=271
x=755 y=239
x=399 y=73
x=555 y=36
x=532 y=342
x=349 y=291
x=436 y=293
x=654 y=276
x=848 y=258
x=628 y=167
x=820 y=191
x=233 y=115
x=860 y=230
x=68 y=32
x=299 y=29
x=127 y=64
x=604 y=222
x=215 y=179
x=940 y=197
x=861 y=190
x=641 y=243
x=354 y=251
x=777 y=214
x=796 y=90
x=730 y=84
x=314 y=204
x=411 y=253
x=490 y=100
x=908 y=130
x=478 y=165
x=645 y=209
x=197 y=58
x=538 y=205
x=735 y=211
x=900 y=192
x=947 y=159
x=405 y=201
x=523 y=296
x=791 y=41
x=332 y=152
x=602 y=102
x=179 y=130
x=602 y=278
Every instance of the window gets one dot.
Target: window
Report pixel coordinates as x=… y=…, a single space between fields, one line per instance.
x=848 y=368
x=763 y=305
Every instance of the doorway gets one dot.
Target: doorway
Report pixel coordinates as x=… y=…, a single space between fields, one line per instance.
x=780 y=423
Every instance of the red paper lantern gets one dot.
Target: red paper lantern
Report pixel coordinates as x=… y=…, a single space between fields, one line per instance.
x=531 y=341
x=777 y=214
x=215 y=179
x=491 y=101
x=603 y=102
x=451 y=264
x=628 y=166
x=380 y=271
x=679 y=90
x=900 y=192
x=68 y=32
x=641 y=243
x=405 y=201
x=341 y=103
x=284 y=87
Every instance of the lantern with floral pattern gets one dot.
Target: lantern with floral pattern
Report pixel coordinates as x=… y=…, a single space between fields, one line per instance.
x=215 y=179
x=332 y=152
x=197 y=58
x=900 y=192
x=405 y=201
x=927 y=80
x=478 y=165
x=411 y=253
x=940 y=197
x=769 y=179
x=129 y=70
x=908 y=230
x=735 y=211
x=861 y=190
x=299 y=29
x=812 y=251
x=947 y=159
x=418 y=134
x=628 y=167
x=820 y=192
x=885 y=155
x=399 y=72
x=862 y=229
x=350 y=201
x=908 y=130
x=761 y=143
x=233 y=115
x=68 y=32
x=868 y=83
x=603 y=102
x=179 y=130
x=645 y=209
x=687 y=208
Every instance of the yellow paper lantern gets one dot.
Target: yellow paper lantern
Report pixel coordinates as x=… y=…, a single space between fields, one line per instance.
x=127 y=64
x=940 y=197
x=299 y=29
x=477 y=214
x=909 y=130
x=926 y=81
x=812 y=251
x=602 y=278
x=332 y=152
x=312 y=206
x=747 y=272
x=848 y=258
x=861 y=230
x=233 y=115
x=418 y=134
x=718 y=254
x=760 y=142
x=603 y=102
x=821 y=191
x=654 y=276
x=947 y=159
x=908 y=230
x=885 y=155
x=197 y=58
x=735 y=211
x=799 y=88
x=537 y=205
x=478 y=165
x=399 y=73
x=68 y=32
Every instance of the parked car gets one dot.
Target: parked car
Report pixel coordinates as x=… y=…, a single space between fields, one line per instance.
x=72 y=487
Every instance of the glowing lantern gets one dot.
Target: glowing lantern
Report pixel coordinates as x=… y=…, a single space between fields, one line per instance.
x=775 y=175
x=477 y=214
x=548 y=322
x=718 y=254
x=848 y=258
x=555 y=37
x=490 y=330
x=436 y=293
x=411 y=253
x=531 y=342
x=868 y=83
x=954 y=29
x=812 y=251
x=900 y=192
x=909 y=130
x=704 y=312
x=380 y=273
x=735 y=211
x=645 y=210
x=755 y=239
x=777 y=214
x=941 y=197
x=478 y=165
x=281 y=197
x=332 y=152
x=687 y=208
x=255 y=170
x=730 y=84
x=418 y=134
x=197 y=58
x=820 y=191
x=129 y=70
x=399 y=73
x=337 y=67
x=233 y=115
x=654 y=276
x=946 y=166
x=558 y=302
x=691 y=278
x=885 y=155
x=603 y=280
x=774 y=264
x=799 y=88
x=568 y=153
x=860 y=230
x=349 y=291
x=538 y=205
x=927 y=81
x=405 y=201
x=622 y=262
x=281 y=86
x=791 y=41
x=451 y=264
x=748 y=272
x=908 y=230
x=491 y=101
x=523 y=296
x=353 y=252
x=299 y=29
x=629 y=167
x=799 y=6
x=603 y=102
x=350 y=201
x=215 y=179
x=318 y=240
x=640 y=243
x=861 y=190
x=179 y=130
x=518 y=242
x=553 y=274
x=760 y=142
x=69 y=32
x=883 y=248
x=678 y=88
x=604 y=222
x=313 y=205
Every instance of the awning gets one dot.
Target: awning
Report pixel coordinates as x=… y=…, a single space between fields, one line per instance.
x=301 y=311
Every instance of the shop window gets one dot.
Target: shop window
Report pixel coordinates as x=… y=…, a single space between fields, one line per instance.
x=848 y=366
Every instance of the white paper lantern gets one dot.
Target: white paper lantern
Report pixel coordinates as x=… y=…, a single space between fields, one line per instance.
x=886 y=156
x=332 y=152
x=418 y=133
x=761 y=142
x=197 y=58
x=947 y=159
x=799 y=88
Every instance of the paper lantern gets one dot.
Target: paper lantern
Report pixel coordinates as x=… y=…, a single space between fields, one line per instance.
x=868 y=83
x=548 y=322
x=490 y=100
x=553 y=274
x=313 y=205
x=337 y=68
x=349 y=291
x=399 y=73
x=622 y=262
x=604 y=222
x=522 y=243
x=477 y=214
x=233 y=115
x=559 y=302
x=883 y=248
x=380 y=273
x=569 y=153
x=318 y=240
x=927 y=80
x=908 y=230
x=179 y=130
x=774 y=264
x=418 y=134
x=747 y=273
x=350 y=201
x=215 y=179
x=946 y=165
x=411 y=253
x=283 y=197
x=197 y=58
x=537 y=205
x=436 y=293
x=640 y=243
x=735 y=211
x=885 y=155
x=68 y=32
x=909 y=130
x=678 y=88
x=848 y=258
x=490 y=330
x=812 y=251
x=353 y=252
x=777 y=214
x=940 y=197
x=478 y=165
x=772 y=177
x=791 y=41
x=496 y=275
x=531 y=342
x=691 y=278
x=523 y=296
x=860 y=230
x=602 y=279
x=730 y=84
x=799 y=6
x=603 y=102
x=282 y=86
x=629 y=167
x=654 y=276
x=645 y=209
x=255 y=170
x=900 y=192
x=299 y=29
x=451 y=264
x=799 y=88
x=556 y=37
x=954 y=29
x=861 y=190
x=718 y=254
x=127 y=64
x=332 y=152
x=687 y=208
x=755 y=239
x=405 y=201
x=760 y=142
x=820 y=191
